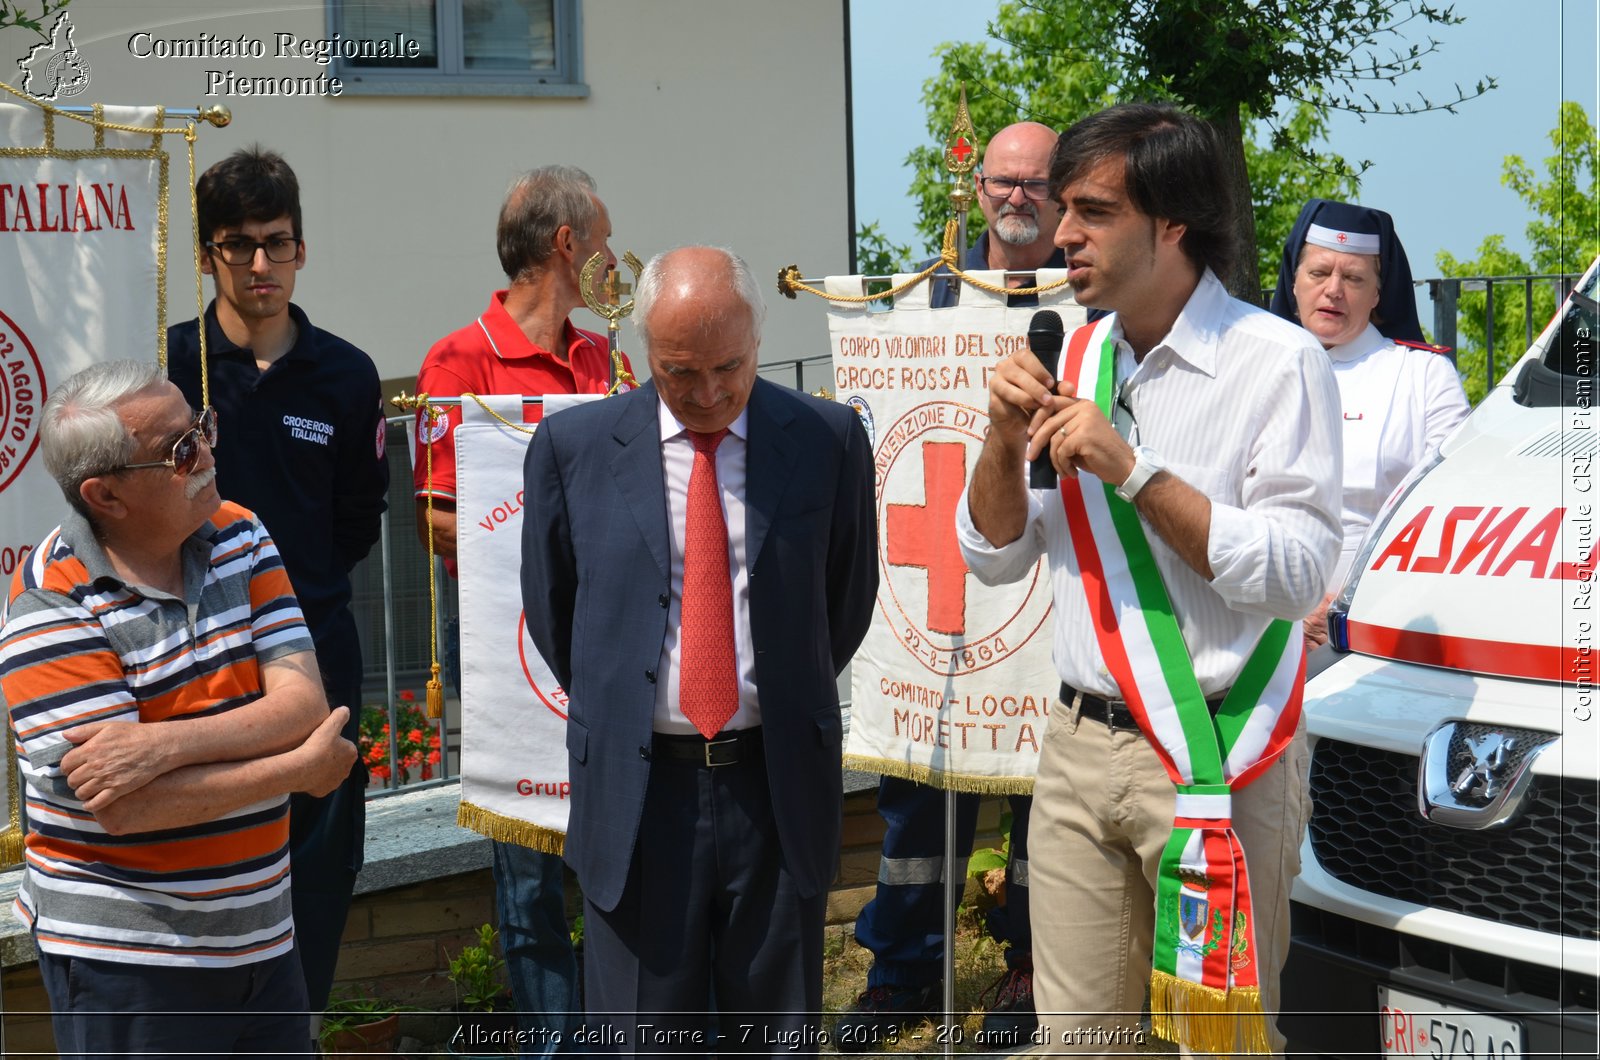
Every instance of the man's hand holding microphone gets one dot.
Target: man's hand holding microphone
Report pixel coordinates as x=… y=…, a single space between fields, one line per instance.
x=1063 y=433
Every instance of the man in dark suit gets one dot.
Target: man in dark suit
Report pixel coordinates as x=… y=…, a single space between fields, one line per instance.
x=698 y=564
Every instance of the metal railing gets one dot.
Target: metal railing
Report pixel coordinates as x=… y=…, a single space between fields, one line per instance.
x=1445 y=294
x=389 y=599
x=795 y=373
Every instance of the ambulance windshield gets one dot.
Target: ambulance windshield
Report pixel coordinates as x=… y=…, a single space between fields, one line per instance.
x=1565 y=374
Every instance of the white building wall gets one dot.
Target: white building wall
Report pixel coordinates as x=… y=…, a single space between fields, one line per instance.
x=719 y=121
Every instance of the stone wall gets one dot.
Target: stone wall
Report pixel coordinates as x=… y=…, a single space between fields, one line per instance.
x=421 y=897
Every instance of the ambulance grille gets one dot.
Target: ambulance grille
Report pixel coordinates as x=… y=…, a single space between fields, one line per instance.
x=1541 y=871
x=1561 y=443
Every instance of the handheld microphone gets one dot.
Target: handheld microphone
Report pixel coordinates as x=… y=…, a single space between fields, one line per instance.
x=1045 y=337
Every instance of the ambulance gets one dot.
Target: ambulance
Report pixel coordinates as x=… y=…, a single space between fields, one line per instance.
x=1448 y=902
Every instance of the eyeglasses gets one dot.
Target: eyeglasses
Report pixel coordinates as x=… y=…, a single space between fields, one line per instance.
x=280 y=249
x=1002 y=187
x=186 y=450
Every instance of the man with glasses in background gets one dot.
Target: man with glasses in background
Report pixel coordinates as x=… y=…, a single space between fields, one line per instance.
x=903 y=925
x=302 y=441
x=165 y=701
x=1019 y=216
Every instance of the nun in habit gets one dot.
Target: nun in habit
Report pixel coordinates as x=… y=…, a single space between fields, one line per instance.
x=1345 y=279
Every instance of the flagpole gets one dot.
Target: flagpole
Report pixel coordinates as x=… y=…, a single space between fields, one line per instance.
x=960 y=158
x=216 y=114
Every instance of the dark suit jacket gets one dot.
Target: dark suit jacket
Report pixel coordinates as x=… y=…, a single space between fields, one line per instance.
x=596 y=581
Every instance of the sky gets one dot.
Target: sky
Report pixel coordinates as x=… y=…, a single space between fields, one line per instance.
x=1438 y=174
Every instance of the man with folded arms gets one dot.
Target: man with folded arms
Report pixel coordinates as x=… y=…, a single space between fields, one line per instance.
x=165 y=699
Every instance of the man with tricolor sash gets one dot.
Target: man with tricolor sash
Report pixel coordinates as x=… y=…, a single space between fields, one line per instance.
x=1197 y=515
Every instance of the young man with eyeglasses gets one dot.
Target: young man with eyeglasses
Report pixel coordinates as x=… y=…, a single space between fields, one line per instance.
x=301 y=444
x=165 y=700
x=903 y=925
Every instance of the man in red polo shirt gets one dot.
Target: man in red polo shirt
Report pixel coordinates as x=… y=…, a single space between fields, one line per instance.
x=551 y=223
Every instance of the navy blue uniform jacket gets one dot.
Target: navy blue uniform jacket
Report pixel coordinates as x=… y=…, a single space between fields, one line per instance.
x=596 y=581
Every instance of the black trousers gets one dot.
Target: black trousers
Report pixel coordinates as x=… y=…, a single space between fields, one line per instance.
x=710 y=918
x=327 y=835
x=106 y=1008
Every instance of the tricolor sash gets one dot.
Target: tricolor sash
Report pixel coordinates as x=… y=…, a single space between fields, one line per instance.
x=1203 y=978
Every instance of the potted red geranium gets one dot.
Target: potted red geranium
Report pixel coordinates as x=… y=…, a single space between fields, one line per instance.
x=416 y=742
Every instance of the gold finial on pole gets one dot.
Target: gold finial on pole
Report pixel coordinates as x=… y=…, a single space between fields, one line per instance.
x=961 y=156
x=788 y=281
x=606 y=301
x=216 y=114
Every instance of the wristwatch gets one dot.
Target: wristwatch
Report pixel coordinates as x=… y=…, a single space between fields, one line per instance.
x=1146 y=463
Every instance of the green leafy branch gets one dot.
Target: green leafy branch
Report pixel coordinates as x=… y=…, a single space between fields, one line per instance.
x=15 y=13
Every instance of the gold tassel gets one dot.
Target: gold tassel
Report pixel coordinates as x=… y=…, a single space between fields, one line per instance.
x=435 y=696
x=1205 y=1020
x=504 y=829
x=435 y=688
x=1245 y=1004
x=10 y=846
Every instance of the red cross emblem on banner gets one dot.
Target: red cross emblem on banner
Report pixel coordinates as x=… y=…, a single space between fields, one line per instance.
x=924 y=535
x=961 y=149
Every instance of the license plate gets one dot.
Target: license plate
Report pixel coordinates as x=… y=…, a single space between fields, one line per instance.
x=1409 y=1025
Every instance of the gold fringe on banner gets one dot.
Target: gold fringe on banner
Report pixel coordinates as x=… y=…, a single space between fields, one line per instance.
x=965 y=782
x=1204 y=1019
x=11 y=835
x=503 y=829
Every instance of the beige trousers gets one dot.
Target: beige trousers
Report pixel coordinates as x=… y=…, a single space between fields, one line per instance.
x=1102 y=812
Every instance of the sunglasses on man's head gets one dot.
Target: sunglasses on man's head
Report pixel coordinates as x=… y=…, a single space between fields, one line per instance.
x=186 y=450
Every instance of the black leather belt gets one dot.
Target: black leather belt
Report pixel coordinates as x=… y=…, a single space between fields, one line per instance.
x=1114 y=713
x=724 y=749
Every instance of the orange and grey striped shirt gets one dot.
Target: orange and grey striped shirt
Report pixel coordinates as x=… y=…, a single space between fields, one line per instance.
x=80 y=645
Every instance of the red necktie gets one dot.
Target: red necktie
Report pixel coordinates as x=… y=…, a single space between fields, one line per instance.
x=708 y=675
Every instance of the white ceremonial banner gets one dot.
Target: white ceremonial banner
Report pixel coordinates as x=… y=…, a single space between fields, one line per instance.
x=953 y=684
x=82 y=237
x=514 y=784
x=81 y=234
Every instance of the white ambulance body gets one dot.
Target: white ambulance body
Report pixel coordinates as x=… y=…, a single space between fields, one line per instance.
x=1448 y=903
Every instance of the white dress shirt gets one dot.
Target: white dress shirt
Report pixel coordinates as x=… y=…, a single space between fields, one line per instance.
x=1243 y=407
x=1399 y=404
x=677 y=463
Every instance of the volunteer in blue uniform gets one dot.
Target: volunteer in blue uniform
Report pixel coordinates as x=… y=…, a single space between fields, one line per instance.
x=903 y=925
x=301 y=444
x=1345 y=279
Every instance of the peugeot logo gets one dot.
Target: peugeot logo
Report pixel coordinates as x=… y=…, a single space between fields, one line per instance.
x=1473 y=775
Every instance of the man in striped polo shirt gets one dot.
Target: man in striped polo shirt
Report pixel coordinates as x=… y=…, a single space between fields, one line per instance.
x=162 y=688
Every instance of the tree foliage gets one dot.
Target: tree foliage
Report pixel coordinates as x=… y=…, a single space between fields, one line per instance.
x=875 y=255
x=1281 y=63
x=17 y=13
x=1563 y=237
